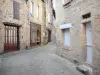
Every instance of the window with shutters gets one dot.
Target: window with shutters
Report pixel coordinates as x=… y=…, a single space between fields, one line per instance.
x=85 y=16
x=49 y=18
x=16 y=8
x=54 y=14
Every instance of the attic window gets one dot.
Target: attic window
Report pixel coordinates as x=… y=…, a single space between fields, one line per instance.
x=88 y=15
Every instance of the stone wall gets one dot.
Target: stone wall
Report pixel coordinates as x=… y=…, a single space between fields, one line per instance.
x=41 y=19
x=49 y=20
x=6 y=8
x=73 y=14
x=1 y=32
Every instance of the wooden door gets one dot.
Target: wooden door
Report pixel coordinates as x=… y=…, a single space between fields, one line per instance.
x=89 y=42
x=11 y=38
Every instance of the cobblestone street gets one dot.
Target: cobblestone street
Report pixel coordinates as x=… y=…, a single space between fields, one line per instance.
x=38 y=61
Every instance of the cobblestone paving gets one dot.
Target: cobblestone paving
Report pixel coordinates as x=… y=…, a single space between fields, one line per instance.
x=38 y=61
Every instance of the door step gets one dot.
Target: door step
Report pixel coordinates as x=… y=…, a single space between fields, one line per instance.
x=84 y=69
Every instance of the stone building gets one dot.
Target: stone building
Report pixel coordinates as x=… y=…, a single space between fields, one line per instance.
x=14 y=25
x=49 y=20
x=78 y=31
x=22 y=24
x=41 y=21
x=37 y=21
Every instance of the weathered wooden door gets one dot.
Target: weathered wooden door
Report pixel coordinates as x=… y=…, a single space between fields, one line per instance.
x=11 y=38
x=89 y=42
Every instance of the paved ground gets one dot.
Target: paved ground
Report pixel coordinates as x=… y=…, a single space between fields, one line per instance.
x=39 y=61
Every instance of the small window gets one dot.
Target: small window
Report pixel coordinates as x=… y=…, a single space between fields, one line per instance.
x=31 y=9
x=88 y=15
x=49 y=19
x=16 y=8
x=37 y=12
x=54 y=13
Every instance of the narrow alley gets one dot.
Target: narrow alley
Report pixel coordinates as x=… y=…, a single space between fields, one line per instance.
x=49 y=37
x=38 y=61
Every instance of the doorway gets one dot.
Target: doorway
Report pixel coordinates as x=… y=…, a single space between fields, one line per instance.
x=35 y=34
x=11 y=38
x=49 y=35
x=89 y=42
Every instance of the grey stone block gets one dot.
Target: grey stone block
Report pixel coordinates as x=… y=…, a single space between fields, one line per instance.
x=82 y=69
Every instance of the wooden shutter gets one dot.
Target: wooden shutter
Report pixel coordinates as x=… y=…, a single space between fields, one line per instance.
x=16 y=8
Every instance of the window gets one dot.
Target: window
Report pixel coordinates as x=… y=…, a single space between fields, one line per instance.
x=16 y=8
x=49 y=17
x=67 y=37
x=37 y=12
x=54 y=13
x=31 y=8
x=88 y=15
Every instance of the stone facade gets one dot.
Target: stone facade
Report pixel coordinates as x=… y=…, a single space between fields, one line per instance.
x=6 y=10
x=40 y=20
x=72 y=12
x=50 y=36
x=26 y=22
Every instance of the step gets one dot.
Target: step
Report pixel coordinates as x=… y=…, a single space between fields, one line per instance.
x=83 y=69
